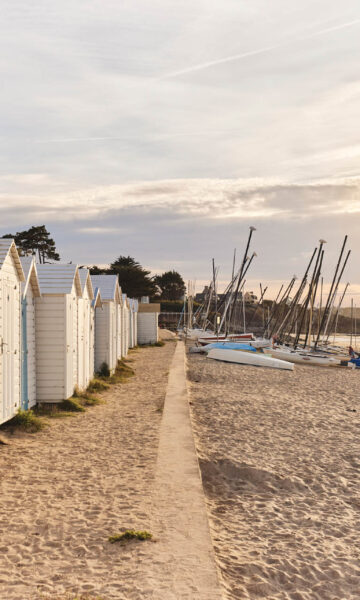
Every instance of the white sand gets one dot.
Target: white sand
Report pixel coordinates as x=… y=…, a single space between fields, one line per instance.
x=280 y=457
x=65 y=490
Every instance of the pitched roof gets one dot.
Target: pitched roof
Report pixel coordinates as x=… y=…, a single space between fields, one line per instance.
x=31 y=275
x=85 y=281
x=108 y=286
x=59 y=278
x=97 y=300
x=7 y=246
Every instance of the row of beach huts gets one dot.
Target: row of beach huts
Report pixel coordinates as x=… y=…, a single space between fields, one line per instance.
x=58 y=326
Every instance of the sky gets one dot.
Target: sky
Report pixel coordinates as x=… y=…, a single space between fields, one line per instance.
x=163 y=130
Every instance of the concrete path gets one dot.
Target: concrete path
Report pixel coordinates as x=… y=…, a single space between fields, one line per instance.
x=183 y=559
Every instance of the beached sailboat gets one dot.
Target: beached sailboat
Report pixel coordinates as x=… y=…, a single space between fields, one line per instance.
x=303 y=357
x=254 y=359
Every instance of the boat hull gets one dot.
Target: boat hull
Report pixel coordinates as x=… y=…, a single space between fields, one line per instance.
x=249 y=358
x=303 y=358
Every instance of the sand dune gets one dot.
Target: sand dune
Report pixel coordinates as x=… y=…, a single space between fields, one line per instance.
x=280 y=460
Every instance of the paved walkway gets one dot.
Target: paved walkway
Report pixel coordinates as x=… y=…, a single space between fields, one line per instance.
x=183 y=559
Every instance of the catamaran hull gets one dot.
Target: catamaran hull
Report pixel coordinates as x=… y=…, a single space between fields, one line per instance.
x=231 y=338
x=300 y=358
x=249 y=358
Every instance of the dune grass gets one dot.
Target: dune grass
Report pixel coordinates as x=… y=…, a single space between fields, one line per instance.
x=26 y=420
x=130 y=534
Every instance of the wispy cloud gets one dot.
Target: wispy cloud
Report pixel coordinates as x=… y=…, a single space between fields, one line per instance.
x=264 y=50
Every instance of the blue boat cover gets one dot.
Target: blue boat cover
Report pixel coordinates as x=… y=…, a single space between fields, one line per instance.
x=229 y=346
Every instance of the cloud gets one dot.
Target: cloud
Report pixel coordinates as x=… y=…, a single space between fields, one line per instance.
x=209 y=198
x=264 y=50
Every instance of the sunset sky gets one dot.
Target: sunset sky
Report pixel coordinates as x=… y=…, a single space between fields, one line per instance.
x=164 y=129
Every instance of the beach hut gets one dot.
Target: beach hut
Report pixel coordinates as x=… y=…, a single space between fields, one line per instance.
x=119 y=325
x=95 y=303
x=57 y=342
x=134 y=305
x=147 y=323
x=125 y=333
x=11 y=276
x=106 y=321
x=85 y=330
x=30 y=290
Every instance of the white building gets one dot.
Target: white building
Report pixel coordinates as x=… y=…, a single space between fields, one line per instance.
x=126 y=325
x=148 y=323
x=86 y=326
x=57 y=343
x=11 y=276
x=134 y=307
x=106 y=321
x=30 y=290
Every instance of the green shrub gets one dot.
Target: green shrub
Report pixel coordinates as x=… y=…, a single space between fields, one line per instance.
x=71 y=405
x=97 y=385
x=27 y=420
x=130 y=534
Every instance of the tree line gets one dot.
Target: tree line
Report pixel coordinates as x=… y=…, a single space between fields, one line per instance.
x=135 y=281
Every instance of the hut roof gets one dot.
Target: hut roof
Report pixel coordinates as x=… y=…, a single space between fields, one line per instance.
x=97 y=300
x=8 y=246
x=59 y=278
x=108 y=286
x=85 y=281
x=29 y=267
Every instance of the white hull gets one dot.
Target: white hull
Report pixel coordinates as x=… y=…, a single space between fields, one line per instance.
x=303 y=358
x=208 y=339
x=249 y=358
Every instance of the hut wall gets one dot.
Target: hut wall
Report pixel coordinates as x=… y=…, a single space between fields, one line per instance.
x=10 y=339
x=147 y=323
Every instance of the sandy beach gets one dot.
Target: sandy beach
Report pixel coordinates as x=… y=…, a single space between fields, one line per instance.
x=280 y=460
x=64 y=490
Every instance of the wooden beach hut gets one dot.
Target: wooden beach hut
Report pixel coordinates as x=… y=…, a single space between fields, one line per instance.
x=57 y=341
x=11 y=277
x=134 y=306
x=119 y=325
x=106 y=321
x=30 y=290
x=95 y=303
x=125 y=333
x=148 y=323
x=85 y=331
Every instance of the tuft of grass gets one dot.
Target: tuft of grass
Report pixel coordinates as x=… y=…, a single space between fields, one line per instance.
x=129 y=535
x=97 y=385
x=71 y=405
x=27 y=420
x=104 y=371
x=123 y=370
x=154 y=345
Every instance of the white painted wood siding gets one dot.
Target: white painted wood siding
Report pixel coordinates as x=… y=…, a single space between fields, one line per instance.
x=10 y=340
x=147 y=328
x=53 y=348
x=31 y=346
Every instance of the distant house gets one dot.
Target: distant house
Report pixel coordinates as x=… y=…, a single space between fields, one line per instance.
x=250 y=298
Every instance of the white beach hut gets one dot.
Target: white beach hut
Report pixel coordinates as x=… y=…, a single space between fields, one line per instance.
x=30 y=290
x=148 y=323
x=11 y=276
x=119 y=326
x=85 y=330
x=57 y=332
x=106 y=321
x=134 y=306
x=95 y=303
x=125 y=333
